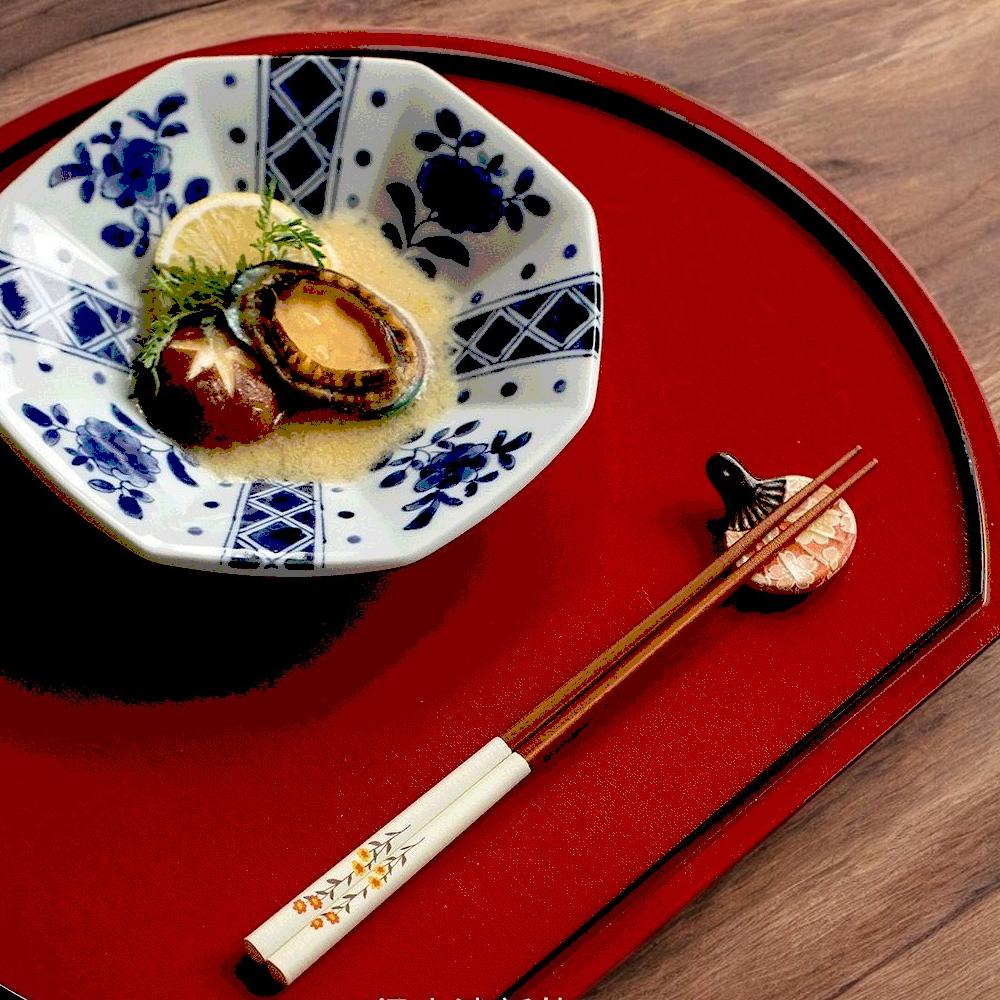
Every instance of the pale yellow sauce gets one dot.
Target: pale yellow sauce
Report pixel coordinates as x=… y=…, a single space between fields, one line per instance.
x=318 y=321
x=304 y=448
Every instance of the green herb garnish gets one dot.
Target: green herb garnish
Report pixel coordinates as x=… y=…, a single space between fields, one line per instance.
x=174 y=293
x=277 y=238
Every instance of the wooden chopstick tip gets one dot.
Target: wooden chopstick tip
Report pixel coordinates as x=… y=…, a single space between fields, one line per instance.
x=863 y=471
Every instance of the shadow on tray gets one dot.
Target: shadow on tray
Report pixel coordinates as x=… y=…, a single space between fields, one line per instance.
x=99 y=620
x=256 y=978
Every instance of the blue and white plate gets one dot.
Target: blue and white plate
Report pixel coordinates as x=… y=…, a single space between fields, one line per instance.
x=385 y=137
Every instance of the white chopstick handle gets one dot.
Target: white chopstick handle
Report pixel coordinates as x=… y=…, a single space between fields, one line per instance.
x=342 y=877
x=311 y=943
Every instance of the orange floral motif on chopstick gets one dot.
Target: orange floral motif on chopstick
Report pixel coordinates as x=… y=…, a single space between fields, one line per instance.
x=371 y=866
x=373 y=875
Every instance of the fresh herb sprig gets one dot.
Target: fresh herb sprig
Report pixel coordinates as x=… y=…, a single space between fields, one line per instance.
x=174 y=293
x=278 y=238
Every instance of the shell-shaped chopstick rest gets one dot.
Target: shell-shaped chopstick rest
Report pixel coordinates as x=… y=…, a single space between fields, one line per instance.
x=815 y=555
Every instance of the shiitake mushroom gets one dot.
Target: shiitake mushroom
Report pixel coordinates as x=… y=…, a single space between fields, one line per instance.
x=208 y=389
x=330 y=339
x=293 y=334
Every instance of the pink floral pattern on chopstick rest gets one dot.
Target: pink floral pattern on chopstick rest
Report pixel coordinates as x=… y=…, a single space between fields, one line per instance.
x=815 y=555
x=376 y=853
x=307 y=946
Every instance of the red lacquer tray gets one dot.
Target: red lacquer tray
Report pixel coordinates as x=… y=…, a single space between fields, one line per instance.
x=163 y=795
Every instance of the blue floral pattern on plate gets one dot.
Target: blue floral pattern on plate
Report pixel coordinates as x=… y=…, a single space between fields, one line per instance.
x=133 y=172
x=443 y=464
x=460 y=195
x=121 y=452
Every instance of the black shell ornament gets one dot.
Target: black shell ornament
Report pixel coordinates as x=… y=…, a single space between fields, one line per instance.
x=748 y=500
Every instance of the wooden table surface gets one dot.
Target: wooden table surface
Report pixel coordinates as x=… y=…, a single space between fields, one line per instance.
x=887 y=885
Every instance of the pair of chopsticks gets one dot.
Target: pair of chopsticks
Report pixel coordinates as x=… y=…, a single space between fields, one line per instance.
x=308 y=926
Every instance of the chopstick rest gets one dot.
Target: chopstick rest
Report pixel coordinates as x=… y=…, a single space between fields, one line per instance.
x=333 y=922
x=384 y=849
x=813 y=557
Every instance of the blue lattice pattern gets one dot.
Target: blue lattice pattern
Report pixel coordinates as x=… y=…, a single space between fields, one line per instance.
x=305 y=98
x=561 y=319
x=36 y=304
x=276 y=524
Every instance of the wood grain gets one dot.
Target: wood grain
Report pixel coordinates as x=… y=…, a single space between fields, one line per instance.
x=887 y=885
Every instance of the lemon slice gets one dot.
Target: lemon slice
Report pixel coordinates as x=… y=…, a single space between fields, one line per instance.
x=221 y=228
